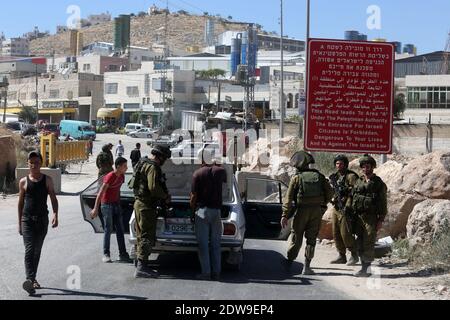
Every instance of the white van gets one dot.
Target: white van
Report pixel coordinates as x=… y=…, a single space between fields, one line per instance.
x=132 y=127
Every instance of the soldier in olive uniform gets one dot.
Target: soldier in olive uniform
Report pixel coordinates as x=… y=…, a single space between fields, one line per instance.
x=342 y=182
x=150 y=192
x=308 y=195
x=105 y=161
x=370 y=206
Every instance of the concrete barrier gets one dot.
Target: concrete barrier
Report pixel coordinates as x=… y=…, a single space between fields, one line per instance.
x=55 y=174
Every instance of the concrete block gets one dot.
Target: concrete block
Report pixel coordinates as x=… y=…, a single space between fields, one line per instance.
x=55 y=174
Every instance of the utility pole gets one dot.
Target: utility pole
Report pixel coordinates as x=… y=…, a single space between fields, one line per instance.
x=37 y=96
x=282 y=110
x=308 y=30
x=4 y=84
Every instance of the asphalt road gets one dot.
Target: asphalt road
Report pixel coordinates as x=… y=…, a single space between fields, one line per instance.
x=75 y=247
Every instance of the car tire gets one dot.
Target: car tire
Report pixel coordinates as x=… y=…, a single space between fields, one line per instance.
x=133 y=136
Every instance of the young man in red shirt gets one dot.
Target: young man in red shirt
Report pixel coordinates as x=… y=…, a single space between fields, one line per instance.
x=109 y=198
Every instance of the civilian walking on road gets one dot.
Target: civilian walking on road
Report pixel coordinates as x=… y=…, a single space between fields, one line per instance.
x=33 y=217
x=206 y=202
x=120 y=149
x=109 y=198
x=136 y=155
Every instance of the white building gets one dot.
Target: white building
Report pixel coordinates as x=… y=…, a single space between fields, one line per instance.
x=294 y=90
x=142 y=91
x=428 y=95
x=207 y=61
x=137 y=54
x=87 y=64
x=77 y=96
x=16 y=47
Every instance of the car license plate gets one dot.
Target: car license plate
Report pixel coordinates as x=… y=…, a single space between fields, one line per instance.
x=180 y=228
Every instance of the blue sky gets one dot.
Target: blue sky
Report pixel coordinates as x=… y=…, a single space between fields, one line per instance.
x=424 y=23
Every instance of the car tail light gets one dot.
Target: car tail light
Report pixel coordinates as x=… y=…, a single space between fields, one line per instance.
x=229 y=229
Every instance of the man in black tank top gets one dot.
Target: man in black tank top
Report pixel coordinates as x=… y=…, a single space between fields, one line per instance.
x=33 y=216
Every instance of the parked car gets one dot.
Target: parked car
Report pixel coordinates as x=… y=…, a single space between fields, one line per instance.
x=166 y=141
x=252 y=209
x=50 y=128
x=144 y=133
x=189 y=149
x=16 y=127
x=132 y=127
x=79 y=130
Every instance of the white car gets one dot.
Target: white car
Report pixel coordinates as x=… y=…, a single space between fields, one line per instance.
x=144 y=133
x=251 y=209
x=189 y=149
x=132 y=127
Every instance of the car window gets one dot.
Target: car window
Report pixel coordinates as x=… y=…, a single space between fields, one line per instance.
x=265 y=191
x=125 y=190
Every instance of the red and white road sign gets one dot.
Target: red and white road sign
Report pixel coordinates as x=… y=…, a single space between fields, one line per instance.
x=350 y=96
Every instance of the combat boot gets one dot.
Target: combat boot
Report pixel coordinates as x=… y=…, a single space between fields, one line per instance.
x=353 y=260
x=363 y=273
x=308 y=271
x=143 y=271
x=342 y=259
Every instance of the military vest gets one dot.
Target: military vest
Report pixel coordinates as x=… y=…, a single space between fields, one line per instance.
x=139 y=181
x=311 y=188
x=365 y=195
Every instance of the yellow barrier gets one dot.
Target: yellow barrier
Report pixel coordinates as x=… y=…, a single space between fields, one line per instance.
x=55 y=152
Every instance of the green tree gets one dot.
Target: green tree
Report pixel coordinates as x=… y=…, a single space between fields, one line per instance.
x=211 y=74
x=28 y=114
x=399 y=106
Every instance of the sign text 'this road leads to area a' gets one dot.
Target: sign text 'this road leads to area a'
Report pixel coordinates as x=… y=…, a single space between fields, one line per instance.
x=350 y=96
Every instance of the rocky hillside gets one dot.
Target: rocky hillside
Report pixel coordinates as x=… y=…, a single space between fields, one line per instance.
x=184 y=30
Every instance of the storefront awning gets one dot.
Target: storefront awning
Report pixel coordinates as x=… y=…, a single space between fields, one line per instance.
x=57 y=111
x=109 y=113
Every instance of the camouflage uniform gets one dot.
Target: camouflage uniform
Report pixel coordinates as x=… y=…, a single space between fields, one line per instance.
x=150 y=193
x=308 y=211
x=342 y=217
x=104 y=162
x=370 y=206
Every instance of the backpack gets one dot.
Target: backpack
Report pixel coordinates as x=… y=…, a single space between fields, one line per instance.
x=311 y=190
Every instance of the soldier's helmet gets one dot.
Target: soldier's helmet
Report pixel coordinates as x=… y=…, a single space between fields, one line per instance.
x=367 y=159
x=342 y=158
x=162 y=151
x=302 y=159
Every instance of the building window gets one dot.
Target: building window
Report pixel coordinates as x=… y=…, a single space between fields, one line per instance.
x=428 y=98
x=111 y=88
x=86 y=67
x=33 y=95
x=54 y=94
x=133 y=91
x=113 y=67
